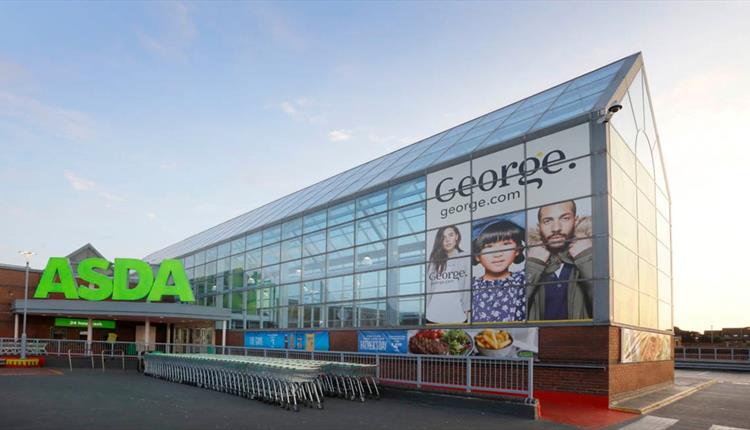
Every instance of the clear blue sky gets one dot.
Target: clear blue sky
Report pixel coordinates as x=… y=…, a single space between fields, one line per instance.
x=133 y=125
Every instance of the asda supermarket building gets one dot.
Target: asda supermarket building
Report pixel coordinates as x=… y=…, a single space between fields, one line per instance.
x=546 y=221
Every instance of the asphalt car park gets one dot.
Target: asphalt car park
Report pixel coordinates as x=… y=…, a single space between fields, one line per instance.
x=725 y=405
x=57 y=398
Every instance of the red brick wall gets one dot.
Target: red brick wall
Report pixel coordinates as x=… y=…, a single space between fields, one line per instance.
x=587 y=381
x=624 y=379
x=11 y=288
x=574 y=344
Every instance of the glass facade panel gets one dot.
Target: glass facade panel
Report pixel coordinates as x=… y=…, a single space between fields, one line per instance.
x=370 y=285
x=647 y=279
x=407 y=250
x=272 y=234
x=211 y=268
x=312 y=292
x=371 y=256
x=340 y=262
x=624 y=266
x=271 y=254
x=253 y=240
x=314 y=267
x=339 y=289
x=223 y=250
x=270 y=275
x=625 y=304
x=212 y=253
x=291 y=228
x=372 y=203
x=253 y=258
x=371 y=313
x=340 y=315
x=314 y=221
x=408 y=192
x=291 y=249
x=407 y=220
x=406 y=280
x=647 y=311
x=200 y=258
x=372 y=229
x=623 y=189
x=340 y=214
x=407 y=311
x=312 y=316
x=646 y=245
x=624 y=227
x=291 y=271
x=314 y=243
x=222 y=265
x=238 y=246
x=341 y=237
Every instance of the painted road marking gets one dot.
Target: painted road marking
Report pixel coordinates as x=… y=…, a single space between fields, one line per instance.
x=650 y=422
x=715 y=427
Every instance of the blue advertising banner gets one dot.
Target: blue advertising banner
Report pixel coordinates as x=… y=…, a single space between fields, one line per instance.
x=384 y=341
x=303 y=340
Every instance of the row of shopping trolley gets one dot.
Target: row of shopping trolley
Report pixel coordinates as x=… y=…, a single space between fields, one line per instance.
x=282 y=381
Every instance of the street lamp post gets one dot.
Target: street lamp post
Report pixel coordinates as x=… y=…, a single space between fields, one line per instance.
x=27 y=255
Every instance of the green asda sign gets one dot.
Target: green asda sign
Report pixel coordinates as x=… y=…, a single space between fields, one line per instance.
x=58 y=278
x=78 y=322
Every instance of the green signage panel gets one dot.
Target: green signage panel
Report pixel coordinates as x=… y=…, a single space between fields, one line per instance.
x=80 y=322
x=58 y=278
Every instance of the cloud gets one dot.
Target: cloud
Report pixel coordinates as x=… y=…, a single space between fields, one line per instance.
x=288 y=108
x=175 y=34
x=302 y=109
x=110 y=197
x=10 y=72
x=151 y=215
x=339 y=135
x=65 y=123
x=275 y=23
x=78 y=183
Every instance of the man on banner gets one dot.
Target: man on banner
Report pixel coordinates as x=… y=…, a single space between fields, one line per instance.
x=560 y=269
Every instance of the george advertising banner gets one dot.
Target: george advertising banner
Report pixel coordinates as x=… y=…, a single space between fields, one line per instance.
x=509 y=234
x=638 y=346
x=302 y=340
x=382 y=341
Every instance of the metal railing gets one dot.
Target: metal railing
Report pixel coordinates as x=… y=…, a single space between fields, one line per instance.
x=471 y=374
x=735 y=355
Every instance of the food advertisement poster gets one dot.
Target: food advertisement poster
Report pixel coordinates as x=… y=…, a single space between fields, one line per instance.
x=486 y=342
x=382 y=341
x=302 y=340
x=638 y=346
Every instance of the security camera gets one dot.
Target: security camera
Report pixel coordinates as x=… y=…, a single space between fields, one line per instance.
x=614 y=108
x=611 y=110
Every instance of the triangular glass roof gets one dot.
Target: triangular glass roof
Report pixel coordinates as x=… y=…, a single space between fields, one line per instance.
x=572 y=99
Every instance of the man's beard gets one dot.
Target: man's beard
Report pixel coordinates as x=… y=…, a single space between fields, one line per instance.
x=558 y=245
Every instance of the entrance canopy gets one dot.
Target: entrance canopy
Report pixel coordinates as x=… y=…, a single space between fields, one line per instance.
x=167 y=312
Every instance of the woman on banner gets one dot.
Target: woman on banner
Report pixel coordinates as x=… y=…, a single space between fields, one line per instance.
x=448 y=279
